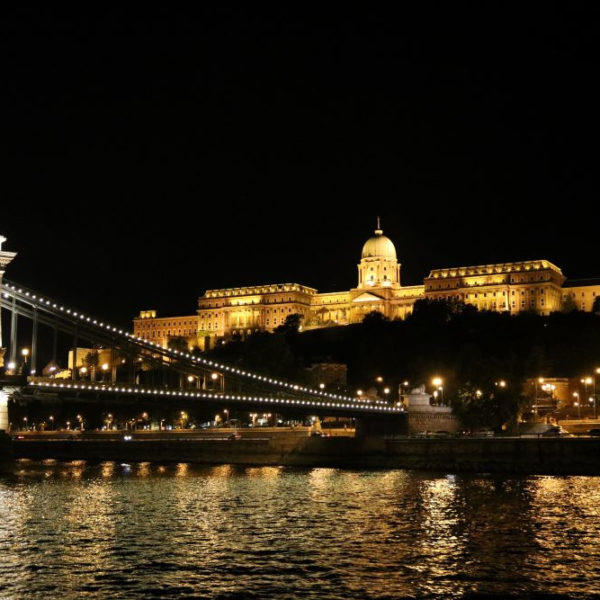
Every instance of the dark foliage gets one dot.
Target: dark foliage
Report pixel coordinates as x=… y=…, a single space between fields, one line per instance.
x=453 y=341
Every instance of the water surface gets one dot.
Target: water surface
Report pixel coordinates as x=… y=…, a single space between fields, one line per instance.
x=79 y=530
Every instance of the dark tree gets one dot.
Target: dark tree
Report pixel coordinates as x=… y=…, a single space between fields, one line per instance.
x=178 y=343
x=374 y=318
x=496 y=407
x=568 y=305
x=291 y=324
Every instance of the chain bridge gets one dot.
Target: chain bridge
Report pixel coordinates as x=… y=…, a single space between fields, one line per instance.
x=182 y=375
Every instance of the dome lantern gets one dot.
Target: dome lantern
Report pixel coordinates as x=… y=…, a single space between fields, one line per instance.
x=379 y=246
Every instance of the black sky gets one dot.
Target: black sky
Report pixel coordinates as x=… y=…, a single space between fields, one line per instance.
x=152 y=155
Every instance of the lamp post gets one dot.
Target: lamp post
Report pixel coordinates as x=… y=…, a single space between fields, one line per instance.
x=437 y=382
x=403 y=390
x=539 y=380
x=51 y=419
x=25 y=355
x=214 y=376
x=586 y=382
x=596 y=373
x=577 y=404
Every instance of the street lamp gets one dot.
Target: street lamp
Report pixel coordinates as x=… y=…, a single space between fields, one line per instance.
x=437 y=382
x=214 y=376
x=540 y=381
x=104 y=369
x=576 y=403
x=25 y=354
x=586 y=382
x=402 y=390
x=51 y=419
x=597 y=372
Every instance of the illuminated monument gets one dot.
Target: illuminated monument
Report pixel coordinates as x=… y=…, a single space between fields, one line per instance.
x=535 y=285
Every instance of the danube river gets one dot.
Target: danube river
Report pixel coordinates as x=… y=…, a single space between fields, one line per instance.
x=110 y=530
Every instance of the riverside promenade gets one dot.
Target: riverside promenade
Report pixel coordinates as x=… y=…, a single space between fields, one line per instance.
x=566 y=456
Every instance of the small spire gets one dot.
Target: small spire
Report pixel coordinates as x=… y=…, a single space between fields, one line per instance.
x=378 y=231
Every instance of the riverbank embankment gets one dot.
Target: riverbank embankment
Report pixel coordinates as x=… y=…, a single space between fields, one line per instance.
x=496 y=455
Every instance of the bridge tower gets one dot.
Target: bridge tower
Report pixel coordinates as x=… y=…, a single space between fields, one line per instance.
x=5 y=259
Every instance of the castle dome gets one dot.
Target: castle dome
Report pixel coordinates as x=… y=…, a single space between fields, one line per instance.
x=379 y=246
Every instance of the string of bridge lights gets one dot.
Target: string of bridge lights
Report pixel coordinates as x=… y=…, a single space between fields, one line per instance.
x=149 y=345
x=211 y=396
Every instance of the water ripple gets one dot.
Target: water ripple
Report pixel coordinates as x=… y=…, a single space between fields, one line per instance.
x=77 y=530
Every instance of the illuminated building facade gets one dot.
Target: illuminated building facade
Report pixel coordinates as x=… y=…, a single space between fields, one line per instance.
x=535 y=285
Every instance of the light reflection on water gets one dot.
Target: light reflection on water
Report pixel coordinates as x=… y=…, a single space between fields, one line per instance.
x=141 y=530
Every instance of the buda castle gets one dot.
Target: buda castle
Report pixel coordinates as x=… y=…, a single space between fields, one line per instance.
x=535 y=285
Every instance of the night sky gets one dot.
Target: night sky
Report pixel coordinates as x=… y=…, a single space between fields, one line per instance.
x=149 y=156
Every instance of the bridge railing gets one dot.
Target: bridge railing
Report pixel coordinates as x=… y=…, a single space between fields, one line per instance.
x=42 y=309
